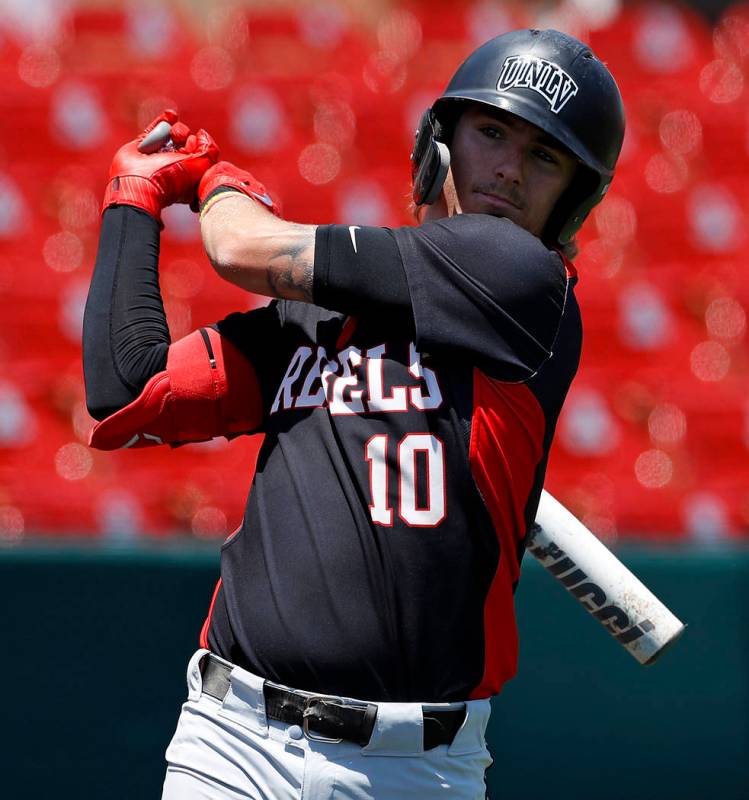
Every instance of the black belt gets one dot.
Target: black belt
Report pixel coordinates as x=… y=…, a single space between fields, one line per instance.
x=325 y=719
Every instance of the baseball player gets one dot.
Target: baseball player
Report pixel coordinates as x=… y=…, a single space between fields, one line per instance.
x=408 y=382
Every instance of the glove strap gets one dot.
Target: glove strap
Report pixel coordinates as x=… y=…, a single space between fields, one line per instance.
x=133 y=190
x=251 y=188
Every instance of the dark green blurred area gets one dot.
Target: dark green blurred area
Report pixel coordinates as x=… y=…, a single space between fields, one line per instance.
x=95 y=645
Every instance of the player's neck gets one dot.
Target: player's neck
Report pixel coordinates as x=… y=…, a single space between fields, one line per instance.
x=446 y=205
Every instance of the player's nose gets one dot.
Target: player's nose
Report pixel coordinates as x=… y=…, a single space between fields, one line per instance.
x=509 y=164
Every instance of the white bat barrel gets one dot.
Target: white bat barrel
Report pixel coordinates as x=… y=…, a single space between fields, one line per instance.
x=630 y=612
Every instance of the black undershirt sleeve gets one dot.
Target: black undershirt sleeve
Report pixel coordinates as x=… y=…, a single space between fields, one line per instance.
x=125 y=332
x=358 y=270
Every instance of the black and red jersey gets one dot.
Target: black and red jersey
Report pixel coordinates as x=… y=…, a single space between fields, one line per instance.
x=408 y=418
x=406 y=438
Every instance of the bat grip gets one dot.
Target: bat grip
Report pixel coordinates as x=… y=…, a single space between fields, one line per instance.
x=157 y=140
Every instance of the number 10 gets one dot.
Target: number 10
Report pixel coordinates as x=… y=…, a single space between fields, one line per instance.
x=433 y=513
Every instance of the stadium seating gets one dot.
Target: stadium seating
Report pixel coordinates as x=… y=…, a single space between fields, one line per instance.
x=322 y=104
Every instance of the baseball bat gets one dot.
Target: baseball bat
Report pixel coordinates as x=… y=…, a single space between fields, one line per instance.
x=592 y=574
x=157 y=139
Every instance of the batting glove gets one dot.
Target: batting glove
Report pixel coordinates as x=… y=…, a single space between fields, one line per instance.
x=224 y=176
x=170 y=175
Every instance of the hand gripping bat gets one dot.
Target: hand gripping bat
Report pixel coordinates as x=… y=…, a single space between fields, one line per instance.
x=592 y=574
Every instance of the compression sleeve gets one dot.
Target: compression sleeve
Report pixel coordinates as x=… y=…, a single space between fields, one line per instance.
x=125 y=332
x=358 y=271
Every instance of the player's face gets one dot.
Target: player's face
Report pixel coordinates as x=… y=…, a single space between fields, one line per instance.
x=505 y=166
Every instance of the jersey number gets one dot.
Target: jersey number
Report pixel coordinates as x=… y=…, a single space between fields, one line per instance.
x=414 y=449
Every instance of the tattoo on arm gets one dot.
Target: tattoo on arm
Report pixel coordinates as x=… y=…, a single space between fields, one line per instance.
x=290 y=267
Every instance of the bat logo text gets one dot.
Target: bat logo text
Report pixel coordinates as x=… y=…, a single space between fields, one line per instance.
x=590 y=594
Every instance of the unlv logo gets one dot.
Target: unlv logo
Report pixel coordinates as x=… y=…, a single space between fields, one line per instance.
x=544 y=77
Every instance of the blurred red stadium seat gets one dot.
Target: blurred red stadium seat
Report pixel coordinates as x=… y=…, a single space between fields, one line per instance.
x=322 y=107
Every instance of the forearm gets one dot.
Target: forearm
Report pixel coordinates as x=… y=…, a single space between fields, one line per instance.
x=251 y=248
x=125 y=333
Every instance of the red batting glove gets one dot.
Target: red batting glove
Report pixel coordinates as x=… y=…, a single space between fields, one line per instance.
x=226 y=174
x=157 y=180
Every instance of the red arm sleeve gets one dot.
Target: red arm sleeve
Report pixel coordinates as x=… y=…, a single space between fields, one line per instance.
x=208 y=389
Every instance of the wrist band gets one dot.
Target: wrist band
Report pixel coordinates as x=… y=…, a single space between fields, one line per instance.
x=219 y=193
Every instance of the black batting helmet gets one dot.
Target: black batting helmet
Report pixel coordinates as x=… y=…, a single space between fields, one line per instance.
x=553 y=81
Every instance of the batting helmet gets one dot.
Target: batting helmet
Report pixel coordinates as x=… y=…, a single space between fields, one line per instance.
x=551 y=80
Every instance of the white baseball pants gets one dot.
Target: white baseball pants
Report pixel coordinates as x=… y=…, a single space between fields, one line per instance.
x=230 y=750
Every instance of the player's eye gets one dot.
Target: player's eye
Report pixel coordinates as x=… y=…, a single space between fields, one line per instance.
x=492 y=131
x=546 y=156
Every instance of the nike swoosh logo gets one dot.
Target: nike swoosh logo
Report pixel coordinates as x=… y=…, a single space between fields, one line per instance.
x=352 y=229
x=263 y=198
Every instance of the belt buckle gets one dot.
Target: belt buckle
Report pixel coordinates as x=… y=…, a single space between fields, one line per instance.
x=307 y=713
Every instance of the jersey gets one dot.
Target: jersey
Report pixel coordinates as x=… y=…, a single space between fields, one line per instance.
x=406 y=437
x=408 y=418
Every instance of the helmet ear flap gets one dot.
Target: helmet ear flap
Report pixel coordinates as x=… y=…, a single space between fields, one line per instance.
x=571 y=210
x=430 y=160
